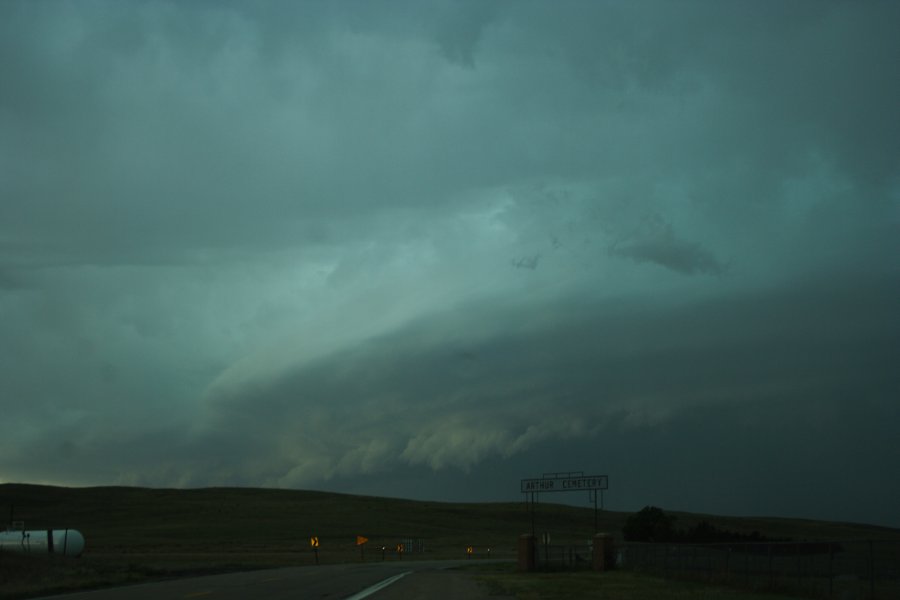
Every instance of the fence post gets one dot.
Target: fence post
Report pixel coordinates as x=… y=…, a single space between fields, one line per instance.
x=727 y=563
x=746 y=565
x=871 y=571
x=830 y=569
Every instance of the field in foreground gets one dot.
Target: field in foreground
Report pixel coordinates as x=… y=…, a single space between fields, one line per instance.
x=138 y=534
x=615 y=585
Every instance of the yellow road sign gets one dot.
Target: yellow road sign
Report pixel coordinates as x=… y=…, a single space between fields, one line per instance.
x=314 y=542
x=360 y=540
x=400 y=548
x=470 y=549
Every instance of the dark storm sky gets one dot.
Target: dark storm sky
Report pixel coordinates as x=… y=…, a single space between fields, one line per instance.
x=427 y=249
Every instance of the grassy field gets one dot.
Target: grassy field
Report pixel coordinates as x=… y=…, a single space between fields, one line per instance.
x=136 y=534
x=614 y=585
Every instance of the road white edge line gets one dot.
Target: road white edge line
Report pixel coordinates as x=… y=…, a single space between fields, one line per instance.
x=378 y=586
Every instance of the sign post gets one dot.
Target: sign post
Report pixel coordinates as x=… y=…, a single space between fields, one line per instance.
x=361 y=542
x=314 y=544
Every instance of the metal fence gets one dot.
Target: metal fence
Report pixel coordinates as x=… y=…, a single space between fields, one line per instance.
x=562 y=556
x=855 y=570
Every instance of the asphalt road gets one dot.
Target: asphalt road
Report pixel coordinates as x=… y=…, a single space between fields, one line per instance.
x=425 y=579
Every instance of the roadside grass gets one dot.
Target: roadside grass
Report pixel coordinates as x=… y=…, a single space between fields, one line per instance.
x=613 y=585
x=23 y=576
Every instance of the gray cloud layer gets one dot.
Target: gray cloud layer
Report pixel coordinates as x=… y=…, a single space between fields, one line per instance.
x=366 y=245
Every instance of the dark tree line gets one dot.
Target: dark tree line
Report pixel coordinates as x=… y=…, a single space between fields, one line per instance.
x=652 y=524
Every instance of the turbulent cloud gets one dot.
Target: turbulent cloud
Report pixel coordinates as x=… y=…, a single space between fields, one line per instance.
x=364 y=246
x=662 y=247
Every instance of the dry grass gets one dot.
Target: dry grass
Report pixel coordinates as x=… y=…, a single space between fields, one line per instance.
x=615 y=585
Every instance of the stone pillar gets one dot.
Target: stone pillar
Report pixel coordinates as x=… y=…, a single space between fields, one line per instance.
x=526 y=553
x=604 y=552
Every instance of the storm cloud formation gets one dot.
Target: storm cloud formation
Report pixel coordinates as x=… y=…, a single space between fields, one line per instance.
x=427 y=249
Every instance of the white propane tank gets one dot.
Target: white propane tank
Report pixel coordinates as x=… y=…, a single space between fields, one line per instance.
x=68 y=542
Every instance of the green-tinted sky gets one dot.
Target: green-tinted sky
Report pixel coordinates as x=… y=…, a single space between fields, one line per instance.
x=427 y=249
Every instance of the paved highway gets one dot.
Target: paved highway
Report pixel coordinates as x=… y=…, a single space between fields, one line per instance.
x=406 y=579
